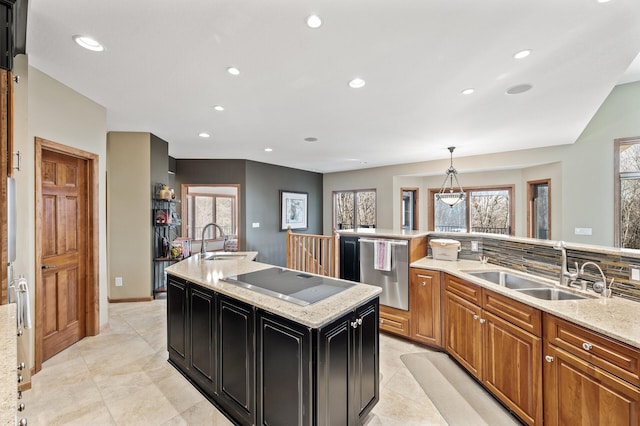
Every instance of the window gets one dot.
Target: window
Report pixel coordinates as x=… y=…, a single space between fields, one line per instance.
x=354 y=207
x=205 y=204
x=488 y=209
x=409 y=208
x=627 y=189
x=539 y=209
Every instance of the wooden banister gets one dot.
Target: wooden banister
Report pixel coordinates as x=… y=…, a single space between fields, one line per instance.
x=317 y=254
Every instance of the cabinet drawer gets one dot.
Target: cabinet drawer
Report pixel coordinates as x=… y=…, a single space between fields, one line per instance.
x=466 y=290
x=394 y=323
x=524 y=316
x=610 y=355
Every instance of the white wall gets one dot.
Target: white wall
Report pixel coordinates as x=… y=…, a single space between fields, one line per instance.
x=581 y=173
x=46 y=108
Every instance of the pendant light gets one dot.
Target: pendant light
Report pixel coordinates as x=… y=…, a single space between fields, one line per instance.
x=450 y=195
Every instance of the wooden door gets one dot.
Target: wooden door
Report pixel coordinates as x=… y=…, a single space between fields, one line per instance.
x=513 y=370
x=578 y=393
x=63 y=251
x=463 y=335
x=425 y=307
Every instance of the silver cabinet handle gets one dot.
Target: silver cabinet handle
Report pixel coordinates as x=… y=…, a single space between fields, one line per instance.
x=21 y=406
x=475 y=317
x=354 y=324
x=381 y=320
x=23 y=422
x=359 y=320
x=21 y=366
x=20 y=333
x=548 y=358
x=482 y=320
x=587 y=346
x=424 y=284
x=20 y=379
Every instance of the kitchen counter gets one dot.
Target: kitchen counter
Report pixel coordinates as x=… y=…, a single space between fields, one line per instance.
x=8 y=364
x=383 y=233
x=614 y=317
x=210 y=274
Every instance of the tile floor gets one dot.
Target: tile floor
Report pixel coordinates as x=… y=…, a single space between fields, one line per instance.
x=122 y=377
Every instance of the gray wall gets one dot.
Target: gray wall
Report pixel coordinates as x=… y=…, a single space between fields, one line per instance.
x=264 y=182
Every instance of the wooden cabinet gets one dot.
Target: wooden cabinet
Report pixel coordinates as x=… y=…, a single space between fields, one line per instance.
x=394 y=321
x=588 y=377
x=493 y=337
x=424 y=305
x=260 y=368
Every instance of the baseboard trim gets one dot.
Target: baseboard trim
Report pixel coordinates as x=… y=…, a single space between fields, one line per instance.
x=131 y=299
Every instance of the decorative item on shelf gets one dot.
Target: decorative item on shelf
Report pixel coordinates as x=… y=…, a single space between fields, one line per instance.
x=176 y=250
x=186 y=245
x=448 y=195
x=165 y=247
x=165 y=193
x=162 y=217
x=173 y=194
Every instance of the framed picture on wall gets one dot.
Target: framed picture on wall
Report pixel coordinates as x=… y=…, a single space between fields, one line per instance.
x=293 y=210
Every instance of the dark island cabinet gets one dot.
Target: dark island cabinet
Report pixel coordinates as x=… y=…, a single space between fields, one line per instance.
x=260 y=368
x=177 y=322
x=284 y=372
x=348 y=366
x=236 y=357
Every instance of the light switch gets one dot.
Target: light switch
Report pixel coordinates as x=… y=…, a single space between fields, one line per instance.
x=255 y=225
x=635 y=274
x=583 y=231
x=118 y=281
x=474 y=246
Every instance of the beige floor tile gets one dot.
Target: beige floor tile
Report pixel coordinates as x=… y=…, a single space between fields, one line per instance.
x=203 y=413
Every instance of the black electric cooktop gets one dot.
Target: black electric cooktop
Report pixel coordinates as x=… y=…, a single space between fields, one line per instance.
x=294 y=286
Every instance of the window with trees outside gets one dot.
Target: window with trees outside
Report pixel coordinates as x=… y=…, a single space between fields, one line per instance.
x=627 y=182
x=354 y=209
x=205 y=204
x=485 y=209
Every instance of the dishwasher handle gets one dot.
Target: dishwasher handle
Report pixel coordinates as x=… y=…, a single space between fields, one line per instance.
x=392 y=242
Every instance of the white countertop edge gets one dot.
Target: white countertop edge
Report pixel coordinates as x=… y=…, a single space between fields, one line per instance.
x=614 y=317
x=210 y=274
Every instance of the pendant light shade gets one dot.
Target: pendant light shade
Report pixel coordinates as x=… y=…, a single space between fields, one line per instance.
x=449 y=194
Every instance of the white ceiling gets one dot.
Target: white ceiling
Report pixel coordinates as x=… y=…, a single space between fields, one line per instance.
x=164 y=68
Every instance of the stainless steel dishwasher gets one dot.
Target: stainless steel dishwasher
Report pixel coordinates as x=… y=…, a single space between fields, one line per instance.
x=394 y=282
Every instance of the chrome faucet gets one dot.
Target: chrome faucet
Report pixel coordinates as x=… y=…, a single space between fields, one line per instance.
x=203 y=247
x=599 y=287
x=566 y=276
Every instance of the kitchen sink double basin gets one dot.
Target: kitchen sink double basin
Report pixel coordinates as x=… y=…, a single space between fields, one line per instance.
x=526 y=286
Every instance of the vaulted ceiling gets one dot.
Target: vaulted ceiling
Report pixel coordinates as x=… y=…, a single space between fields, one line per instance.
x=165 y=63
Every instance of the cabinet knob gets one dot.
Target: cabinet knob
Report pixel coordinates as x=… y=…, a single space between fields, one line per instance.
x=354 y=324
x=21 y=406
x=482 y=320
x=359 y=320
x=381 y=320
x=20 y=332
x=21 y=366
x=548 y=358
x=424 y=284
x=20 y=379
x=587 y=346
x=23 y=422
x=475 y=317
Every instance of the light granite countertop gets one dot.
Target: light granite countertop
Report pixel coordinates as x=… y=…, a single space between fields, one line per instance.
x=614 y=317
x=211 y=274
x=8 y=364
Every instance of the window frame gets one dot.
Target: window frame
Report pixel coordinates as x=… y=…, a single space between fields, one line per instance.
x=617 y=177
x=512 y=202
x=235 y=206
x=355 y=205
x=530 y=192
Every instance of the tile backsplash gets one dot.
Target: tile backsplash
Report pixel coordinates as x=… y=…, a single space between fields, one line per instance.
x=538 y=257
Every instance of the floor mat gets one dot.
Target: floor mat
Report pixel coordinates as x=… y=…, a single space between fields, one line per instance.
x=460 y=399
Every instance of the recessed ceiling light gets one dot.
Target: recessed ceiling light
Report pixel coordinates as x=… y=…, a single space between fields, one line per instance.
x=357 y=83
x=468 y=91
x=604 y=1
x=522 y=54
x=218 y=108
x=233 y=71
x=311 y=139
x=268 y=149
x=204 y=135
x=88 y=43
x=520 y=88
x=314 y=21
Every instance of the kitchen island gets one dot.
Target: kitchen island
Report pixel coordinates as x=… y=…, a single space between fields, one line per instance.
x=268 y=359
